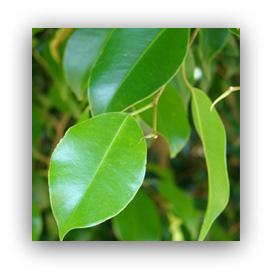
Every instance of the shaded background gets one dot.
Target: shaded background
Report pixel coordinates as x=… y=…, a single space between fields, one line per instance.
x=55 y=109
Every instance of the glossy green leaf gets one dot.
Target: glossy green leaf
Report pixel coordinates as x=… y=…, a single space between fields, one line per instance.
x=212 y=41
x=134 y=64
x=96 y=170
x=172 y=121
x=82 y=50
x=139 y=221
x=37 y=223
x=212 y=134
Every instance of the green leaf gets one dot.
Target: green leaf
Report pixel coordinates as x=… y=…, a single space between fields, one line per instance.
x=212 y=41
x=172 y=121
x=84 y=234
x=43 y=55
x=219 y=233
x=179 y=83
x=37 y=223
x=82 y=50
x=96 y=170
x=235 y=31
x=36 y=31
x=139 y=221
x=182 y=205
x=212 y=134
x=51 y=227
x=133 y=65
x=40 y=191
x=181 y=202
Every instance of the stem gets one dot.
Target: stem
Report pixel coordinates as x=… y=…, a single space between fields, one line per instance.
x=40 y=157
x=152 y=135
x=184 y=75
x=225 y=94
x=183 y=69
x=60 y=128
x=194 y=34
x=155 y=106
x=146 y=107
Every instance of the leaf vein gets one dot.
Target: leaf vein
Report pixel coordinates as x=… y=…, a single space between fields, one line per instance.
x=96 y=172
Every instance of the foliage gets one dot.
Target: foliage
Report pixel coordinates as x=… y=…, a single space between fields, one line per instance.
x=125 y=135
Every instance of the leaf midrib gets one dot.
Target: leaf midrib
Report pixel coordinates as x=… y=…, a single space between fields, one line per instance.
x=132 y=67
x=139 y=59
x=206 y=158
x=96 y=172
x=210 y=199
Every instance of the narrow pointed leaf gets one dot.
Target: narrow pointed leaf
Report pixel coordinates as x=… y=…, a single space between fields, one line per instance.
x=82 y=50
x=96 y=170
x=134 y=64
x=139 y=221
x=172 y=120
x=212 y=134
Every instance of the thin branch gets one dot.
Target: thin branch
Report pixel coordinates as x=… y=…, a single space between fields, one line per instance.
x=194 y=35
x=155 y=106
x=60 y=129
x=225 y=94
x=185 y=78
x=146 y=107
x=152 y=135
x=60 y=36
x=41 y=158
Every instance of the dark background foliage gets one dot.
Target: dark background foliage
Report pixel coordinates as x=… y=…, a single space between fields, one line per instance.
x=55 y=108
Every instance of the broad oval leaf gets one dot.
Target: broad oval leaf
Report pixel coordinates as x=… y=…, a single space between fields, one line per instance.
x=172 y=120
x=139 y=221
x=81 y=52
x=134 y=64
x=96 y=170
x=212 y=134
x=212 y=41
